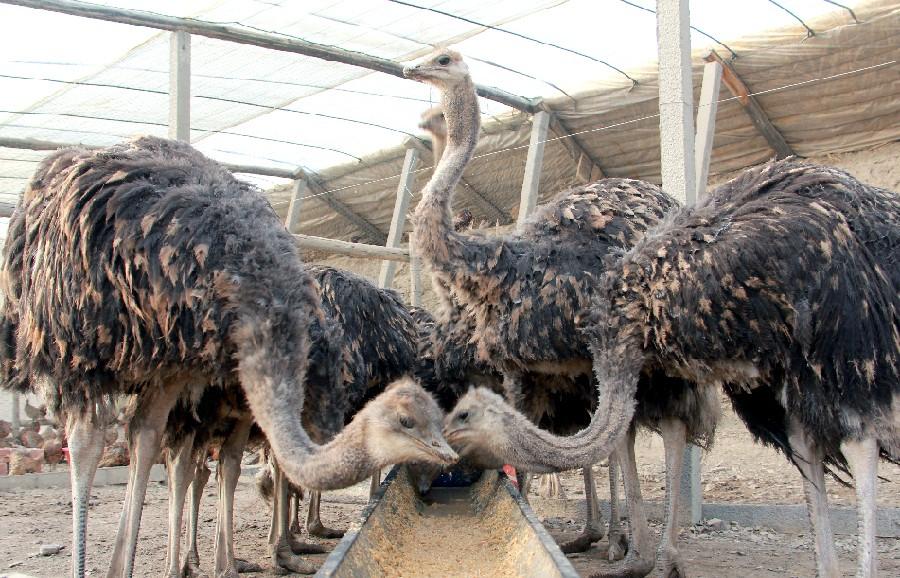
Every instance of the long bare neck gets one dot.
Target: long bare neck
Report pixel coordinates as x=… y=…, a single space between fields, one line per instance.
x=340 y=463
x=272 y=373
x=438 y=144
x=433 y=216
x=535 y=450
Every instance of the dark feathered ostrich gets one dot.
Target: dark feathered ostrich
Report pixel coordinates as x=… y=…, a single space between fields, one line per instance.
x=522 y=293
x=147 y=269
x=782 y=285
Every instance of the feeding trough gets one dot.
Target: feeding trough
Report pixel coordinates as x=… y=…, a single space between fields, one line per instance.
x=485 y=529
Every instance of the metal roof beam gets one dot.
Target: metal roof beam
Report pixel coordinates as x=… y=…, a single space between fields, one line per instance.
x=241 y=35
x=754 y=110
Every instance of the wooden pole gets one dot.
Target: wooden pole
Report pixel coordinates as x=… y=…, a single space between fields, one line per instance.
x=534 y=162
x=415 y=273
x=292 y=221
x=352 y=249
x=180 y=86
x=398 y=221
x=754 y=110
x=246 y=36
x=676 y=126
x=706 y=126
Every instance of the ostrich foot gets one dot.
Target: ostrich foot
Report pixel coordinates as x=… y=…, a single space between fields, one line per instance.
x=583 y=542
x=191 y=568
x=322 y=531
x=246 y=566
x=302 y=547
x=631 y=567
x=618 y=547
x=295 y=527
x=286 y=562
x=671 y=564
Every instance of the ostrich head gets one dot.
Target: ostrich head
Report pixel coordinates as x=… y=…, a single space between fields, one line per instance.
x=404 y=425
x=434 y=122
x=442 y=68
x=478 y=429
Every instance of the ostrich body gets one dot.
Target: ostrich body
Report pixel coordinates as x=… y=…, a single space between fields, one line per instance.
x=147 y=269
x=804 y=335
x=521 y=295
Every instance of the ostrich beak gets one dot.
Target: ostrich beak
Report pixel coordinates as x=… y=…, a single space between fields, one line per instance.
x=442 y=451
x=413 y=72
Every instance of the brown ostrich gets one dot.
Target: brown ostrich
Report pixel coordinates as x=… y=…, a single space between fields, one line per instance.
x=522 y=293
x=147 y=269
x=782 y=286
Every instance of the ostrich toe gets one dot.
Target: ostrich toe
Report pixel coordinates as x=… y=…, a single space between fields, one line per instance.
x=322 y=531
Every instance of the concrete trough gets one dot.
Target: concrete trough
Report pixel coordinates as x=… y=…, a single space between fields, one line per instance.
x=485 y=529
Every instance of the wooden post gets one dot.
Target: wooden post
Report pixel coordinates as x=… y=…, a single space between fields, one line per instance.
x=706 y=125
x=292 y=221
x=398 y=221
x=676 y=127
x=362 y=250
x=531 y=184
x=754 y=110
x=415 y=273
x=180 y=86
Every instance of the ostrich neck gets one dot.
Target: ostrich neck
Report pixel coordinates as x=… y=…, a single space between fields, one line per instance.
x=272 y=372
x=342 y=462
x=535 y=450
x=437 y=242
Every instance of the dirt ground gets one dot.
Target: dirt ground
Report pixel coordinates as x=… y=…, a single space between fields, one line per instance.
x=734 y=471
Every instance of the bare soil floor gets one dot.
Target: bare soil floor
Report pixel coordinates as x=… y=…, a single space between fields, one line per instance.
x=734 y=471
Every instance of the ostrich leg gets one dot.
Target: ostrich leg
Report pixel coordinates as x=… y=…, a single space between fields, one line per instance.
x=314 y=526
x=375 y=483
x=808 y=457
x=862 y=456
x=283 y=557
x=85 y=448
x=227 y=474
x=294 y=511
x=191 y=566
x=180 y=472
x=618 y=542
x=145 y=433
x=639 y=561
x=593 y=523
x=674 y=434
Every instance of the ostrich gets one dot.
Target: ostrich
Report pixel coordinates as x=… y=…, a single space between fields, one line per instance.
x=147 y=269
x=522 y=292
x=782 y=286
x=365 y=340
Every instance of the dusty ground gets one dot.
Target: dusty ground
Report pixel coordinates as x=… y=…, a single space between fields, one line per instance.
x=735 y=471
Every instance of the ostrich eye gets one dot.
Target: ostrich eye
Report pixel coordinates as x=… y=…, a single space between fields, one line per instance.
x=463 y=416
x=406 y=422
x=444 y=60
